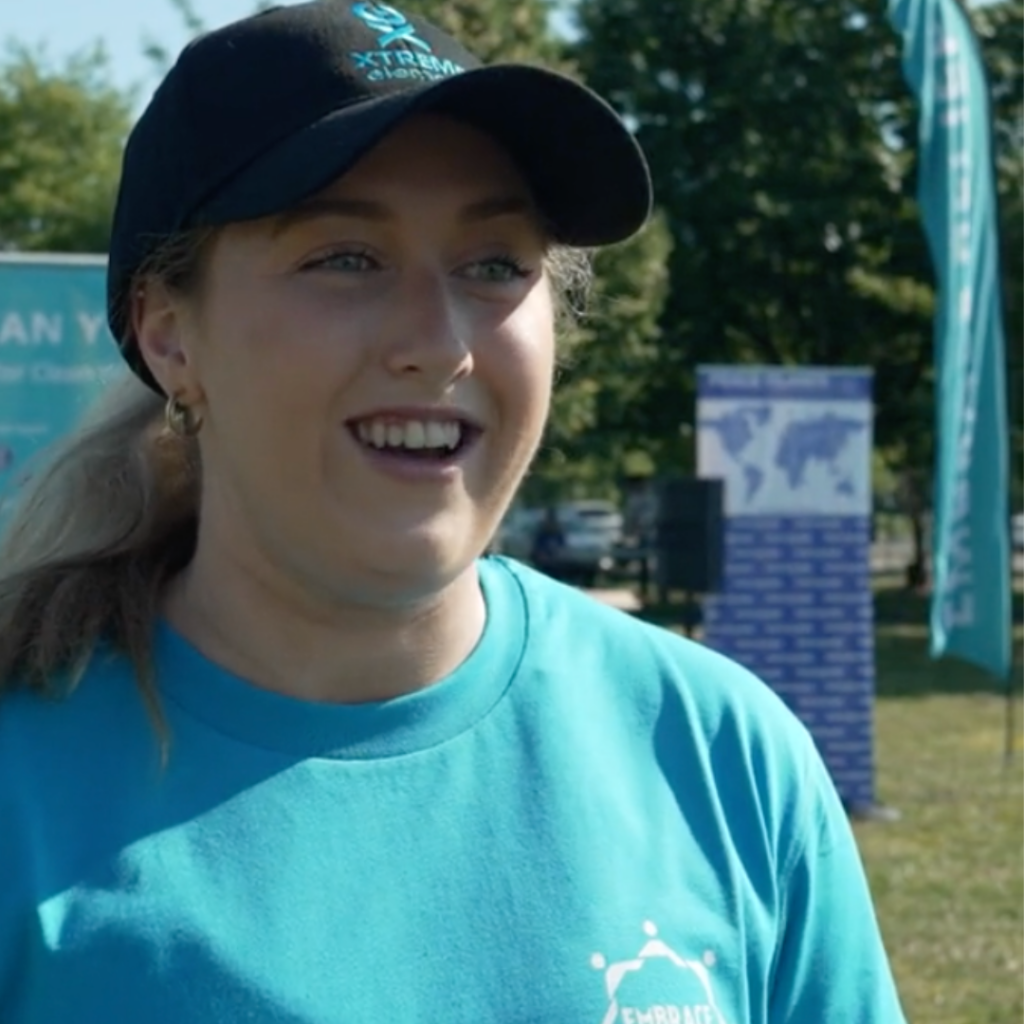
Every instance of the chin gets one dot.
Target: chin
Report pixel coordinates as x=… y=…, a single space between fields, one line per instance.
x=421 y=555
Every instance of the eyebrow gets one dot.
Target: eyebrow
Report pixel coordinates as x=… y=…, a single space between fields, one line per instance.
x=365 y=209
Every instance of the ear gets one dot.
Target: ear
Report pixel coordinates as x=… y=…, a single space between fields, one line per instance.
x=161 y=323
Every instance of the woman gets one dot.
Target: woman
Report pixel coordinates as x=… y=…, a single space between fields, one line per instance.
x=276 y=744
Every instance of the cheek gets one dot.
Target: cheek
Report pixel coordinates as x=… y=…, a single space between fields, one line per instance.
x=520 y=370
x=272 y=375
x=292 y=355
x=538 y=368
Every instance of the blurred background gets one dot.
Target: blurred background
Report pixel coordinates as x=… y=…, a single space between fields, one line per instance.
x=782 y=141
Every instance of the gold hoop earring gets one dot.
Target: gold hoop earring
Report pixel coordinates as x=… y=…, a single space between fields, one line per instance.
x=182 y=420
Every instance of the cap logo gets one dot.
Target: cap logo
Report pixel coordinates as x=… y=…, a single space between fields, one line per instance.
x=400 y=55
x=390 y=25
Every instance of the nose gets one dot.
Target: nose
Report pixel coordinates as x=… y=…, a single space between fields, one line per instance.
x=431 y=332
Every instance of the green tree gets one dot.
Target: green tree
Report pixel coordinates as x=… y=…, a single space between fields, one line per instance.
x=1001 y=32
x=794 y=234
x=599 y=427
x=61 y=135
x=781 y=136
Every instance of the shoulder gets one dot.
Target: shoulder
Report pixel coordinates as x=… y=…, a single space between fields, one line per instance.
x=577 y=632
x=70 y=767
x=646 y=696
x=86 y=722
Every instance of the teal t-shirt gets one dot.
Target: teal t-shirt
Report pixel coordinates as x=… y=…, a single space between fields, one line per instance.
x=592 y=821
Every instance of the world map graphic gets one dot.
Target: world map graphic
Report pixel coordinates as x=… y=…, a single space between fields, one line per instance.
x=796 y=445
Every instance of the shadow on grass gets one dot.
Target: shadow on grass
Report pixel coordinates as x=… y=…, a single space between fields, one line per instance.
x=896 y=606
x=904 y=668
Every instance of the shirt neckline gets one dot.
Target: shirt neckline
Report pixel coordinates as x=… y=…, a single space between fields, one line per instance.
x=402 y=725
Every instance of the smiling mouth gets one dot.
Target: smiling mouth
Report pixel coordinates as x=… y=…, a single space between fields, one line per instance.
x=420 y=440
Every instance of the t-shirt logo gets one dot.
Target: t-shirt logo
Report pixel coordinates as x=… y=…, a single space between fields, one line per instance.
x=391 y=26
x=658 y=986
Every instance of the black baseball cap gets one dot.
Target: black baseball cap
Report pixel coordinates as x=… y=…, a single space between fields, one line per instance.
x=258 y=115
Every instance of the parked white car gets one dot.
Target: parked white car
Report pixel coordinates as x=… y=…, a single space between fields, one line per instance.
x=515 y=535
x=593 y=530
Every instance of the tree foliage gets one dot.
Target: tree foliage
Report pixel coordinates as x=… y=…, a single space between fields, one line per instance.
x=1001 y=32
x=61 y=134
x=795 y=238
x=781 y=138
x=599 y=421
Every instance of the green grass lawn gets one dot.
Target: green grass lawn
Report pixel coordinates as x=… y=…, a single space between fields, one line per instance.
x=948 y=877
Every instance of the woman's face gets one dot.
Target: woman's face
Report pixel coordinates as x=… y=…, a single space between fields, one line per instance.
x=374 y=368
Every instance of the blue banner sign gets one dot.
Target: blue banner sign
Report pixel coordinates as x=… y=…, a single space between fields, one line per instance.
x=56 y=352
x=957 y=193
x=793 y=447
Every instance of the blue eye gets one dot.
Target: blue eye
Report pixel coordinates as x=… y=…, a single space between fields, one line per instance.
x=352 y=261
x=497 y=270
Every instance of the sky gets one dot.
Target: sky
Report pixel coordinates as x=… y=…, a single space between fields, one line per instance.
x=67 y=26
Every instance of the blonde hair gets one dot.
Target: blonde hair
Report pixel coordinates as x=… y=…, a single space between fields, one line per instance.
x=111 y=515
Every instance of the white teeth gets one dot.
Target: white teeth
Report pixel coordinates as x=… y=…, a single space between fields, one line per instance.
x=416 y=434
x=437 y=435
x=411 y=434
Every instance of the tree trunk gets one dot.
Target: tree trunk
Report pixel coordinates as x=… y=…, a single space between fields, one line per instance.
x=918 y=571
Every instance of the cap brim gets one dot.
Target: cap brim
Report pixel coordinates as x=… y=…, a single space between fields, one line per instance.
x=587 y=173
